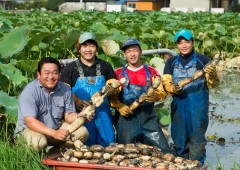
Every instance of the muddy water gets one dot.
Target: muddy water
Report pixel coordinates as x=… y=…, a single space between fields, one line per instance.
x=223 y=147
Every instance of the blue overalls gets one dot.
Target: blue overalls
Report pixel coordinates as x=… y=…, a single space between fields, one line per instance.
x=189 y=113
x=101 y=127
x=143 y=125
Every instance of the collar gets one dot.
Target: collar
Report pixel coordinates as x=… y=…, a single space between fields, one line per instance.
x=54 y=90
x=189 y=55
x=135 y=69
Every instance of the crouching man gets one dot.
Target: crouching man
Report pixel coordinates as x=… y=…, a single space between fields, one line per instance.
x=46 y=109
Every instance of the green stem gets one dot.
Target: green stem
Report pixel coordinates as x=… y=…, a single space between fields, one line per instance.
x=9 y=86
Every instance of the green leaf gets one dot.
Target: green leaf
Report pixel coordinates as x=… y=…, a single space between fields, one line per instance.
x=164 y=116
x=13 y=42
x=9 y=103
x=208 y=43
x=114 y=61
x=99 y=28
x=71 y=38
x=220 y=29
x=27 y=65
x=37 y=35
x=5 y=25
x=4 y=83
x=12 y=73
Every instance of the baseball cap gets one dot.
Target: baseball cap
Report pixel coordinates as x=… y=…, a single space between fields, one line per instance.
x=183 y=33
x=131 y=41
x=87 y=36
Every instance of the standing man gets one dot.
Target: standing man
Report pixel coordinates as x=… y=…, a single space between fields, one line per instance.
x=86 y=76
x=43 y=105
x=189 y=108
x=141 y=124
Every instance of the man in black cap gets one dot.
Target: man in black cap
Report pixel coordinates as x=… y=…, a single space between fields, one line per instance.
x=141 y=124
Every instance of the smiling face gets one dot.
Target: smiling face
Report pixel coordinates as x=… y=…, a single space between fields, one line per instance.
x=132 y=54
x=88 y=51
x=184 y=46
x=48 y=76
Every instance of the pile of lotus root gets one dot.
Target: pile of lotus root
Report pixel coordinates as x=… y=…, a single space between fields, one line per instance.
x=129 y=155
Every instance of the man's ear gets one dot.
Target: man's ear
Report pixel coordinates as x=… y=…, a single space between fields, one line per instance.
x=38 y=74
x=123 y=55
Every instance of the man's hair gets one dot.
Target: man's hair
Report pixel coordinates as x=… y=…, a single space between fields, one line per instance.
x=78 y=46
x=48 y=60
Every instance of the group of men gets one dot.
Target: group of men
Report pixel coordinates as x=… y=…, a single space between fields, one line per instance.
x=50 y=103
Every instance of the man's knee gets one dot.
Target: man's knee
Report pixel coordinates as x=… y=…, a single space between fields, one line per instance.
x=35 y=140
x=81 y=134
x=85 y=134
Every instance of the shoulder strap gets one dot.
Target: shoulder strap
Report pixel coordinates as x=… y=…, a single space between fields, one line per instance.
x=98 y=69
x=79 y=68
x=148 y=72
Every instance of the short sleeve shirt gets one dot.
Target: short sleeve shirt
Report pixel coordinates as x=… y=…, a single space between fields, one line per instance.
x=49 y=108
x=70 y=73
x=137 y=76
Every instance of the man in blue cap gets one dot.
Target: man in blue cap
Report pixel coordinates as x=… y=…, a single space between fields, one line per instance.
x=189 y=108
x=141 y=124
x=87 y=76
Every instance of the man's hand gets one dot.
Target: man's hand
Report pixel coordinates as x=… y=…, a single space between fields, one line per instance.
x=151 y=97
x=169 y=86
x=211 y=70
x=79 y=104
x=60 y=134
x=212 y=77
x=124 y=110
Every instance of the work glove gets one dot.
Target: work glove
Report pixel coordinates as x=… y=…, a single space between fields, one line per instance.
x=158 y=95
x=169 y=86
x=212 y=77
x=79 y=104
x=123 y=109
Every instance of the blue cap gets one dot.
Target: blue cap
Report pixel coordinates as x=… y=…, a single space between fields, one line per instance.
x=131 y=41
x=183 y=33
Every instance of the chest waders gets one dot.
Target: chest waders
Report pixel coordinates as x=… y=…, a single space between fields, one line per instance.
x=189 y=113
x=143 y=125
x=101 y=127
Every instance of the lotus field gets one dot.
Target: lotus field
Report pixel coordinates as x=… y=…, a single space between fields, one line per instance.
x=27 y=37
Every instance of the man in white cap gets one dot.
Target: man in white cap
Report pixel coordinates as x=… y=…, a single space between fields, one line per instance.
x=141 y=124
x=86 y=76
x=189 y=108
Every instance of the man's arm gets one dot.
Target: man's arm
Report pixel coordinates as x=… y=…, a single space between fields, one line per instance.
x=70 y=117
x=33 y=124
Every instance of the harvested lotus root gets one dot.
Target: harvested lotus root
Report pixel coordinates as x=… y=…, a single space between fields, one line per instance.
x=184 y=82
x=149 y=91
x=128 y=155
x=98 y=98
x=198 y=74
x=87 y=114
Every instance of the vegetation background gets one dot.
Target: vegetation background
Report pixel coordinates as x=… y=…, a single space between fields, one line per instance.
x=36 y=33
